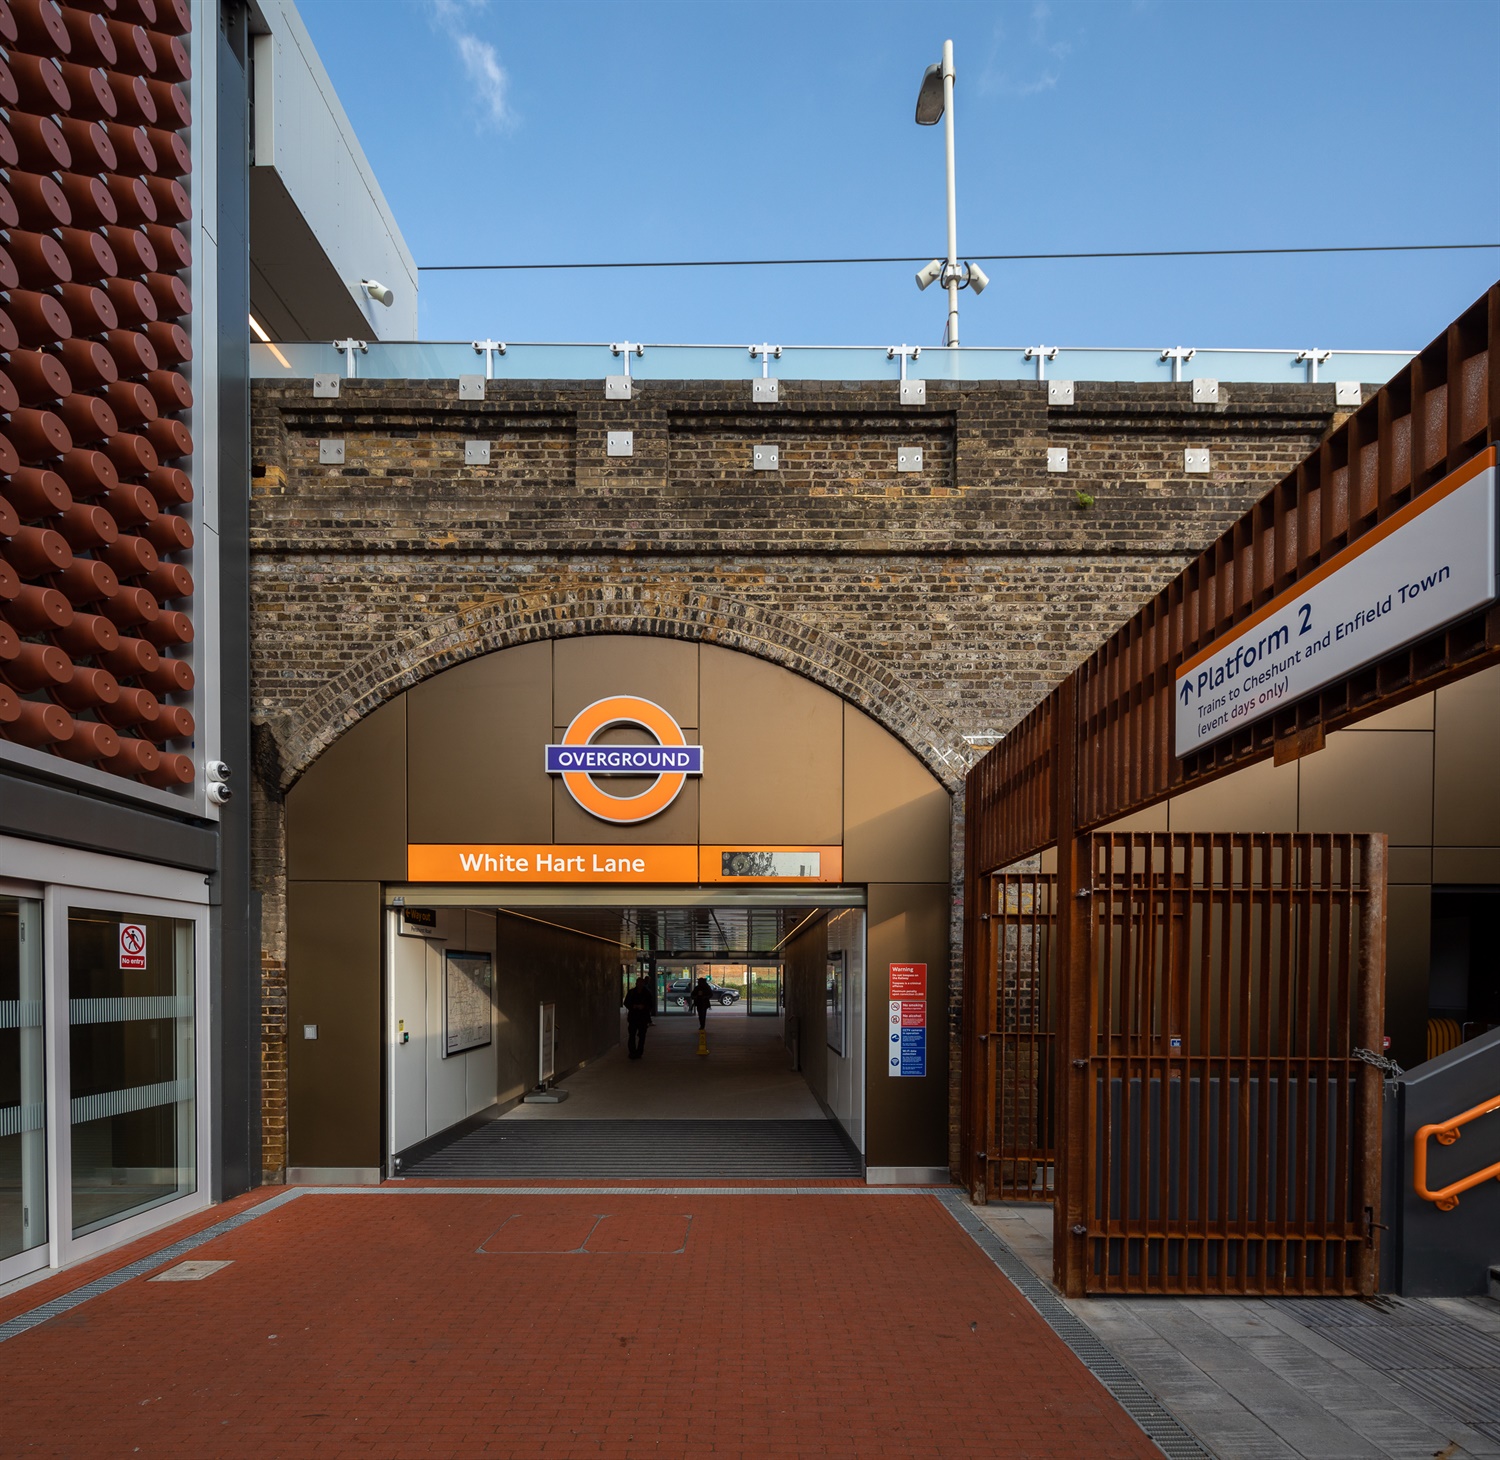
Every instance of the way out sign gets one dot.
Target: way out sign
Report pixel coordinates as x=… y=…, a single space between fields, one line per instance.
x=1426 y=565
x=132 y=945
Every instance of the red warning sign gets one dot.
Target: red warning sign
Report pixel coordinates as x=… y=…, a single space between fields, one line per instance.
x=908 y=980
x=132 y=945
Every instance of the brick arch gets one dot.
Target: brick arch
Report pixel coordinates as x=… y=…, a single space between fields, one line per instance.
x=704 y=617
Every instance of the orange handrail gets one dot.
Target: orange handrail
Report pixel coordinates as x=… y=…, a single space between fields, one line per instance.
x=1447 y=1132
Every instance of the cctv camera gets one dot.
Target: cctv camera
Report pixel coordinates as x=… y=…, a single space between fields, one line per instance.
x=929 y=274
x=219 y=793
x=979 y=281
x=217 y=770
x=378 y=292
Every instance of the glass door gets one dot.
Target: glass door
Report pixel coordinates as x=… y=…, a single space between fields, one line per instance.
x=23 y=1089
x=132 y=1066
x=765 y=984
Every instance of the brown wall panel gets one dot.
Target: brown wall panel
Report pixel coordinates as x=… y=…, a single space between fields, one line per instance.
x=1262 y=797
x=1376 y=780
x=334 y=981
x=807 y=1001
x=346 y=817
x=907 y=1119
x=1467 y=762
x=536 y=965
x=595 y=666
x=1408 y=957
x=474 y=750
x=773 y=748
x=897 y=815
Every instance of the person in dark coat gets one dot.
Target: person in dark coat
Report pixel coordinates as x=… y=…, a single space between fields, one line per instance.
x=638 y=1004
x=701 y=998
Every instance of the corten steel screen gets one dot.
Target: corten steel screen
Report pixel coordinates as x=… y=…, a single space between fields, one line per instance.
x=95 y=527
x=1233 y=1133
x=1013 y=1144
x=1434 y=416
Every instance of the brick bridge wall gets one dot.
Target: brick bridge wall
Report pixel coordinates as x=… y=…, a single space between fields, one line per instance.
x=943 y=602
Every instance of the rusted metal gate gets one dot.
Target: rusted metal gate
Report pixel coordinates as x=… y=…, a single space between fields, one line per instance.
x=1012 y=1147
x=1233 y=1132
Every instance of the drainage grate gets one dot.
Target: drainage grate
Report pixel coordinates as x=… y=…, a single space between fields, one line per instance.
x=1438 y=1357
x=24 y=1322
x=1163 y=1428
x=691 y=1150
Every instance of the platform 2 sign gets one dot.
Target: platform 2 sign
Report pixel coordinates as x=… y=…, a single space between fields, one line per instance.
x=907 y=1046
x=1426 y=565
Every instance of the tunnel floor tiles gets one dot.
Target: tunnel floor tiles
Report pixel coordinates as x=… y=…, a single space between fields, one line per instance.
x=392 y=1323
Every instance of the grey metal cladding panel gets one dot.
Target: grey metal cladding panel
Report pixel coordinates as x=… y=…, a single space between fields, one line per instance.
x=70 y=819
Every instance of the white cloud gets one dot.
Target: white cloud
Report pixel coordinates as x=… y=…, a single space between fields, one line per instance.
x=1024 y=68
x=488 y=81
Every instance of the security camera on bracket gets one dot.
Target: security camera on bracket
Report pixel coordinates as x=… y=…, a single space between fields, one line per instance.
x=378 y=292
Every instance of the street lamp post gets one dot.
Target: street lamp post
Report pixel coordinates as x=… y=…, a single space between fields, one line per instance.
x=935 y=104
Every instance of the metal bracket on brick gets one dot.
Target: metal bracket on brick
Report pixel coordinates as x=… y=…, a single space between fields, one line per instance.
x=1205 y=392
x=913 y=392
x=1347 y=393
x=765 y=391
x=476 y=453
x=331 y=451
x=618 y=387
x=471 y=387
x=1195 y=459
x=766 y=458
x=619 y=443
x=1059 y=392
x=908 y=458
x=1057 y=458
x=325 y=387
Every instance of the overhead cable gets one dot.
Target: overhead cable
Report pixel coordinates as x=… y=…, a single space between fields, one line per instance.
x=999 y=258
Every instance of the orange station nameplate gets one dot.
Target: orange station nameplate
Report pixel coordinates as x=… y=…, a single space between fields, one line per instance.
x=542 y=862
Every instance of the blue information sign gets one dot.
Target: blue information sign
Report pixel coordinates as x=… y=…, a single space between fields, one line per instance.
x=913 y=1051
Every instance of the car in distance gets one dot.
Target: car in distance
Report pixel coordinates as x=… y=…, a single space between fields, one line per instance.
x=680 y=992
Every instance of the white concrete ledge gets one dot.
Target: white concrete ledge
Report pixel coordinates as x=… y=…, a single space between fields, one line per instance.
x=907 y=1176
x=333 y=1176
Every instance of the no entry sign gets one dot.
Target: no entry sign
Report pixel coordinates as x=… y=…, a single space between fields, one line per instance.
x=132 y=945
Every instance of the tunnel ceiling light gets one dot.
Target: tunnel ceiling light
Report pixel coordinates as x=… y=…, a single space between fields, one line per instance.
x=265 y=339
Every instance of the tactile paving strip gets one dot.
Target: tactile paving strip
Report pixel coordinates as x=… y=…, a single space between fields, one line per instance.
x=1425 y=1350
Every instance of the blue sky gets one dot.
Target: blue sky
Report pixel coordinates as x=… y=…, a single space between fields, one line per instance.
x=511 y=132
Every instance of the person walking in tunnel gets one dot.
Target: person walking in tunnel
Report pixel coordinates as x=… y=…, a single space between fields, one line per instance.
x=701 y=999
x=638 y=1004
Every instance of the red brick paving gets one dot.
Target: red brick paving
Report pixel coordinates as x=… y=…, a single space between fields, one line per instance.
x=371 y=1325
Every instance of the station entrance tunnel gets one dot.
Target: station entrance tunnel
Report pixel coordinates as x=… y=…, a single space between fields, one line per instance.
x=481 y=869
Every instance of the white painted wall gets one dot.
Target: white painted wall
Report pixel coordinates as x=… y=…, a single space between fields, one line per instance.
x=430 y=1091
x=846 y=1073
x=304 y=136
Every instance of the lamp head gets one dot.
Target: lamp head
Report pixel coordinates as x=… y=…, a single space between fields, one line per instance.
x=930 y=97
x=979 y=281
x=929 y=273
x=378 y=292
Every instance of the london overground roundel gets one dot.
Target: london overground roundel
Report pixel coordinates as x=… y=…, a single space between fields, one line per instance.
x=578 y=760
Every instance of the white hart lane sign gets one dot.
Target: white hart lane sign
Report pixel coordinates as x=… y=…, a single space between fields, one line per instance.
x=1423 y=567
